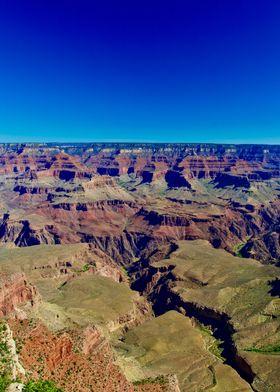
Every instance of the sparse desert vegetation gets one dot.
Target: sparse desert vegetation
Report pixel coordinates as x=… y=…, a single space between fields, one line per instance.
x=41 y=386
x=139 y=268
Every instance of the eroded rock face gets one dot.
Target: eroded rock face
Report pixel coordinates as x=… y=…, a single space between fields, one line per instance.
x=69 y=359
x=175 y=179
x=15 y=291
x=76 y=360
x=216 y=289
x=93 y=218
x=223 y=180
x=194 y=160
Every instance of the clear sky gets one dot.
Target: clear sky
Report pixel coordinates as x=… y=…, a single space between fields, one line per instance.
x=137 y=70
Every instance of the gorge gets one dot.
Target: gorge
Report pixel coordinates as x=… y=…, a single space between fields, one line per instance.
x=146 y=267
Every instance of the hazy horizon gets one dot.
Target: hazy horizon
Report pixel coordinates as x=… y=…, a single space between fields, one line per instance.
x=69 y=142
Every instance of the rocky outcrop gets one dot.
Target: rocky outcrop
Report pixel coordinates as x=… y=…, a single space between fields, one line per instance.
x=175 y=179
x=76 y=360
x=92 y=338
x=222 y=180
x=97 y=205
x=22 y=189
x=154 y=219
x=144 y=194
x=157 y=284
x=30 y=237
x=14 y=292
x=127 y=204
x=99 y=182
x=196 y=160
x=265 y=248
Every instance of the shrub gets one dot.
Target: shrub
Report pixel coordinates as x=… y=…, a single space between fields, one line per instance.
x=4 y=382
x=41 y=386
x=267 y=349
x=161 y=380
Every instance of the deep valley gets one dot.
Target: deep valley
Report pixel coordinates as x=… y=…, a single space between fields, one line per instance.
x=140 y=267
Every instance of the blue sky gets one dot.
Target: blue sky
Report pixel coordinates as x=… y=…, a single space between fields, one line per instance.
x=189 y=70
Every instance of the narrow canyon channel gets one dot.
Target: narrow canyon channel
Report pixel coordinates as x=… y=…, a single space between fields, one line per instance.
x=163 y=300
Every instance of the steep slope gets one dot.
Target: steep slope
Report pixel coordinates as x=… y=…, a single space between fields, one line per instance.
x=228 y=294
x=85 y=226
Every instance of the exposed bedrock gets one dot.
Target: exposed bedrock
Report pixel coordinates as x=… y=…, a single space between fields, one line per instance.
x=15 y=291
x=22 y=189
x=108 y=171
x=222 y=180
x=77 y=360
x=156 y=284
x=154 y=218
x=29 y=236
x=147 y=176
x=104 y=223
x=175 y=179
x=126 y=247
x=96 y=205
x=195 y=160
x=266 y=247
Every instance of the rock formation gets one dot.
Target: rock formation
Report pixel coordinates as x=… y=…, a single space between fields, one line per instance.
x=85 y=226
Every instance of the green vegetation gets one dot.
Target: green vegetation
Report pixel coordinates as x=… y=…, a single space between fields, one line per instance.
x=216 y=349
x=5 y=359
x=85 y=268
x=238 y=248
x=125 y=271
x=5 y=381
x=161 y=380
x=270 y=349
x=41 y=386
x=205 y=329
x=216 y=346
x=3 y=348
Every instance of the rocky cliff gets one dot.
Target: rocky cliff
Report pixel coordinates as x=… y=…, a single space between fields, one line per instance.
x=80 y=223
x=14 y=292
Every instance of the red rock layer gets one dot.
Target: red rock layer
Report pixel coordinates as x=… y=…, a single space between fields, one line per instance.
x=80 y=361
x=15 y=291
x=196 y=161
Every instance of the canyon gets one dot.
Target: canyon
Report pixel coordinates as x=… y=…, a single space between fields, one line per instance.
x=145 y=267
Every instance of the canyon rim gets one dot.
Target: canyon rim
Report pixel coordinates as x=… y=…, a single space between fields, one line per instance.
x=140 y=267
x=139 y=196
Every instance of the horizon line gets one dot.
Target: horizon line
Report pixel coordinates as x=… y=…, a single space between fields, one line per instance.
x=141 y=142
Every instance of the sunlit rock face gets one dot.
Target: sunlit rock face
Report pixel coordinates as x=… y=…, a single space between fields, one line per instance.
x=14 y=292
x=193 y=228
x=97 y=193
